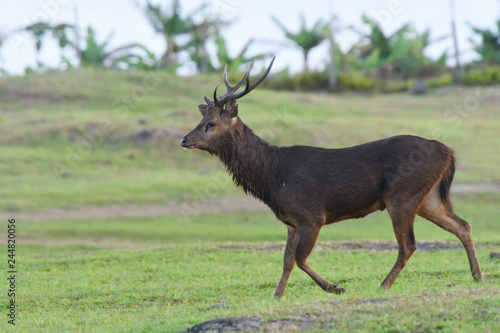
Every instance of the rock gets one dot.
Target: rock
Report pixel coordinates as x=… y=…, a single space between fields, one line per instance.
x=234 y=324
x=419 y=88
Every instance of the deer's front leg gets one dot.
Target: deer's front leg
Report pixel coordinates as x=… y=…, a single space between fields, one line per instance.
x=289 y=260
x=308 y=233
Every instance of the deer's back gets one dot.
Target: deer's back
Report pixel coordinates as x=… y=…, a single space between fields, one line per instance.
x=355 y=179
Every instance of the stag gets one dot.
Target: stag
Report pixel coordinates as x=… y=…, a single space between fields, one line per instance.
x=309 y=187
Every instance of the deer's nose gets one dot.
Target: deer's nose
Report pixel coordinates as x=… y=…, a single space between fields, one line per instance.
x=184 y=142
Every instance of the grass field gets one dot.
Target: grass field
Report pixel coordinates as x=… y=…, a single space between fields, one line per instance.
x=96 y=138
x=82 y=139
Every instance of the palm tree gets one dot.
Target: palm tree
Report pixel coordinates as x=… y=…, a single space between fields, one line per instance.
x=489 y=47
x=305 y=39
x=170 y=25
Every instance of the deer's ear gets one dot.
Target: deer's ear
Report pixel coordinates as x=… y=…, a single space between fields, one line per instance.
x=203 y=109
x=232 y=108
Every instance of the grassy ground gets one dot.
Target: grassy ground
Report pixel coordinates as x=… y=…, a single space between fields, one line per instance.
x=98 y=138
x=482 y=212
x=168 y=273
x=174 y=287
x=81 y=138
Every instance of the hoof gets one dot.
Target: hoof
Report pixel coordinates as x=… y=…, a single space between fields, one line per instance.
x=332 y=288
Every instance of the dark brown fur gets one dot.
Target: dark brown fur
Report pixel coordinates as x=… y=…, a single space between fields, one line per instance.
x=309 y=187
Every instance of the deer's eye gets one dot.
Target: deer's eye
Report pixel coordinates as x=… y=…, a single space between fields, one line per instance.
x=209 y=126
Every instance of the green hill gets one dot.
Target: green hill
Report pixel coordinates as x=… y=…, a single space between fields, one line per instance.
x=86 y=137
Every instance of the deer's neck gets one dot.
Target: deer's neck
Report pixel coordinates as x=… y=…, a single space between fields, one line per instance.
x=252 y=162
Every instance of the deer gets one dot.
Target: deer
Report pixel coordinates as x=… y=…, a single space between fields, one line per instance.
x=310 y=187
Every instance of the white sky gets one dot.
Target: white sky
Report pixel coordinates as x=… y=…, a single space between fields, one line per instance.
x=251 y=20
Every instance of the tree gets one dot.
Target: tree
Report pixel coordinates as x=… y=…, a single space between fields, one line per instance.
x=96 y=54
x=3 y=38
x=329 y=30
x=59 y=32
x=203 y=29
x=408 y=59
x=305 y=39
x=378 y=48
x=234 y=63
x=457 y=77
x=489 y=47
x=38 y=31
x=170 y=25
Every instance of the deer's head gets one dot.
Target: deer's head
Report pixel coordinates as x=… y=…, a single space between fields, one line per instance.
x=220 y=116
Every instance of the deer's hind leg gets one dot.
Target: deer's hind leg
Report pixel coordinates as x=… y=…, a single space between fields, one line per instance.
x=434 y=209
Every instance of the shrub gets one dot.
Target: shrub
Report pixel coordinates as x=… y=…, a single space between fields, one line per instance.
x=280 y=81
x=311 y=81
x=398 y=86
x=488 y=75
x=354 y=82
x=440 y=81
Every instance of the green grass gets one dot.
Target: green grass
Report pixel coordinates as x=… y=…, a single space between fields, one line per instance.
x=70 y=139
x=169 y=273
x=171 y=288
x=481 y=211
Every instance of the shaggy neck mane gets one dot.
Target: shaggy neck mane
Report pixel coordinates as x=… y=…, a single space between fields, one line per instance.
x=251 y=161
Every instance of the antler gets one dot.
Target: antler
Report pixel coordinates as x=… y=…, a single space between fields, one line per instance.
x=222 y=100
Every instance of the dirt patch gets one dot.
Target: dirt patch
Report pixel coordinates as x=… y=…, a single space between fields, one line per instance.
x=89 y=243
x=351 y=246
x=212 y=206
x=475 y=188
x=263 y=246
x=152 y=135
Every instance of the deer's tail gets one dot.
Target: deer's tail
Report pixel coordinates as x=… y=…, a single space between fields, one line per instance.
x=446 y=181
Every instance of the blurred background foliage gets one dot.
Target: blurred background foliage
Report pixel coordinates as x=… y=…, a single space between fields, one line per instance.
x=375 y=62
